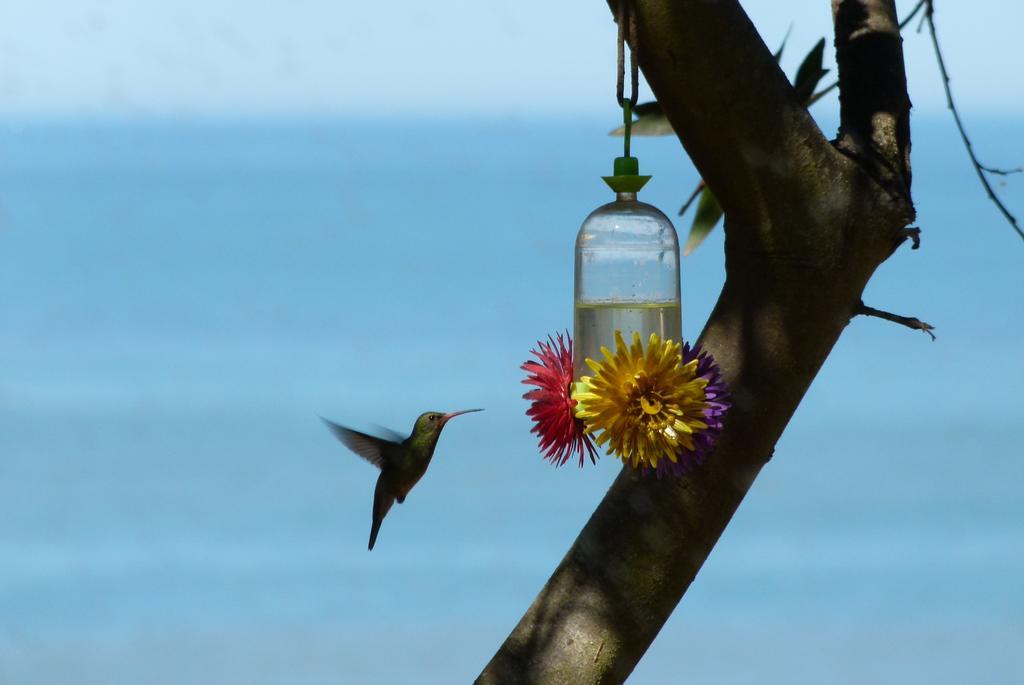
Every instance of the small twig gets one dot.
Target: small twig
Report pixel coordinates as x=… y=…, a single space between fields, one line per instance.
x=693 y=196
x=920 y=24
x=978 y=167
x=908 y=321
x=914 y=233
x=913 y=13
x=1002 y=172
x=598 y=655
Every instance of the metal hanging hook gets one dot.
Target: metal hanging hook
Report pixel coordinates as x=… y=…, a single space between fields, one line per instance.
x=626 y=20
x=626 y=176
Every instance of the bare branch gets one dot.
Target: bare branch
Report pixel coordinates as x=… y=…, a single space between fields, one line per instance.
x=874 y=107
x=913 y=13
x=835 y=84
x=908 y=321
x=928 y=17
x=979 y=168
x=1001 y=172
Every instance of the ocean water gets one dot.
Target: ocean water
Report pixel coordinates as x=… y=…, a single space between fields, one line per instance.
x=180 y=300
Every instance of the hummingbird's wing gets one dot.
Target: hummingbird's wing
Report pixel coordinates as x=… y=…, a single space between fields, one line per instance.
x=369 y=447
x=387 y=433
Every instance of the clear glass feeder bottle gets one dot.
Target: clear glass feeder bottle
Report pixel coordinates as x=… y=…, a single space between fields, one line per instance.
x=627 y=277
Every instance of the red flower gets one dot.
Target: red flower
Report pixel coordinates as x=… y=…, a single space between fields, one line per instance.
x=560 y=433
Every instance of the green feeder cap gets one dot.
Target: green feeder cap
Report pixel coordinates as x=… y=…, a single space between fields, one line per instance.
x=627 y=178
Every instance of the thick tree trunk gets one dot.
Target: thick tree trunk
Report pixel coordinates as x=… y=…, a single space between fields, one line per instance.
x=807 y=223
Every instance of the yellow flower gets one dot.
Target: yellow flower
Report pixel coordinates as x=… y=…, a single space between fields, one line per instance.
x=645 y=406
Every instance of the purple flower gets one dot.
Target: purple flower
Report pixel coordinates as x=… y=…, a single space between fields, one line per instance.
x=716 y=398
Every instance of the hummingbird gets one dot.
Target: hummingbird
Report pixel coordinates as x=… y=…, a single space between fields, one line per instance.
x=402 y=461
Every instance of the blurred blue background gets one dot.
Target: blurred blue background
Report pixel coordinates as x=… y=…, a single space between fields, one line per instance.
x=218 y=222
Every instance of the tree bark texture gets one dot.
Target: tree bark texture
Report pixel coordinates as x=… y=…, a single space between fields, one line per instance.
x=807 y=223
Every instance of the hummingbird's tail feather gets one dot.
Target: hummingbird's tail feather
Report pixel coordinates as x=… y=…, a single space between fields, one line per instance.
x=374 y=529
x=382 y=501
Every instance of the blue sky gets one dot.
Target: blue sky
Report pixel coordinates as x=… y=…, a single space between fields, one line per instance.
x=405 y=57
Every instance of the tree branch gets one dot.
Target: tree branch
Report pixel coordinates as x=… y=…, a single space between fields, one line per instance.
x=874 y=106
x=835 y=84
x=929 y=18
x=908 y=321
x=979 y=168
x=805 y=229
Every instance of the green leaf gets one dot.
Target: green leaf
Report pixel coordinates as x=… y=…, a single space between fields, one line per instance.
x=645 y=108
x=810 y=72
x=650 y=121
x=704 y=220
x=778 y=53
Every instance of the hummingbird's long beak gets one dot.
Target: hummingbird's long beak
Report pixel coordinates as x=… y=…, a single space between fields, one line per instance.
x=446 y=417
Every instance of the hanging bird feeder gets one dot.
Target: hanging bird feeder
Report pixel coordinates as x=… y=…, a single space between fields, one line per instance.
x=627 y=267
x=626 y=381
